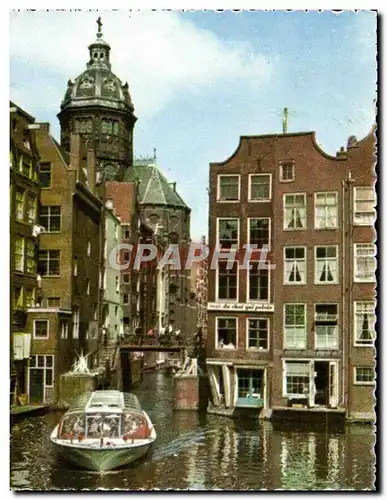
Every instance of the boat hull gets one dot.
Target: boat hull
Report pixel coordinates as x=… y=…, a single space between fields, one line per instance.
x=101 y=459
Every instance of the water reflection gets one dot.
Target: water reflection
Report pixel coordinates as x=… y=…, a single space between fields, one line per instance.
x=205 y=452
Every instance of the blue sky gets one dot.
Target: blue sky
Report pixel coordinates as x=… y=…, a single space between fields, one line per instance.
x=199 y=80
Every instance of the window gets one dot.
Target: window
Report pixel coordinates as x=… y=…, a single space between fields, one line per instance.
x=295 y=326
x=326 y=326
x=64 y=329
x=228 y=232
x=19 y=197
x=295 y=211
x=31 y=209
x=365 y=262
x=45 y=175
x=364 y=375
x=326 y=265
x=365 y=202
x=53 y=301
x=259 y=232
x=227 y=281
x=49 y=262
x=125 y=278
x=19 y=254
x=295 y=265
x=26 y=166
x=41 y=329
x=116 y=311
x=75 y=267
x=75 y=322
x=287 y=171
x=31 y=257
x=226 y=333
x=87 y=287
x=117 y=284
x=297 y=379
x=258 y=281
x=88 y=248
x=18 y=297
x=46 y=363
x=228 y=188
x=325 y=210
x=365 y=319
x=50 y=218
x=126 y=257
x=126 y=298
x=126 y=231
x=258 y=333
x=260 y=187
x=30 y=297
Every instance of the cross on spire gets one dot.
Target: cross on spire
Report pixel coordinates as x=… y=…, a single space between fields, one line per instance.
x=99 y=23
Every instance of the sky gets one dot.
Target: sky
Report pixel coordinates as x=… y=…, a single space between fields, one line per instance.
x=199 y=80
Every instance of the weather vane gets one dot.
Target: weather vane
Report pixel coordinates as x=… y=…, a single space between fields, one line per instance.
x=99 y=23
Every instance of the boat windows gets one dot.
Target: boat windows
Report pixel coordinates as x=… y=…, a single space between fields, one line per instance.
x=103 y=426
x=73 y=426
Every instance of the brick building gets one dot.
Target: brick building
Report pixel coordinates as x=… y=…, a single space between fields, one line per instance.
x=24 y=198
x=297 y=328
x=65 y=317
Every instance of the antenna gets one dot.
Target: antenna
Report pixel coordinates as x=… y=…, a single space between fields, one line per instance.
x=285 y=121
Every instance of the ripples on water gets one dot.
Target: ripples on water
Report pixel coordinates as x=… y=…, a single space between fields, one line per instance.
x=195 y=451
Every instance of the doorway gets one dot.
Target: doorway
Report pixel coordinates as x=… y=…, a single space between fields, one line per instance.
x=36 y=385
x=321 y=383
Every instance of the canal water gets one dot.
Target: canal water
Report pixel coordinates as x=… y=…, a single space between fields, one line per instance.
x=203 y=452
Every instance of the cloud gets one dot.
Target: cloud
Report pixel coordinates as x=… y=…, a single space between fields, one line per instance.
x=161 y=54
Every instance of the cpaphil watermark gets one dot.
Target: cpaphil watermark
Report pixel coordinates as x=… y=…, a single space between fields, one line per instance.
x=127 y=256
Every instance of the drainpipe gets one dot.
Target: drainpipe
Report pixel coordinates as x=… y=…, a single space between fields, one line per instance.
x=343 y=261
x=350 y=182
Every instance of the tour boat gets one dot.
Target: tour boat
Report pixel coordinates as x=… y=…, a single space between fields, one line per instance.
x=104 y=430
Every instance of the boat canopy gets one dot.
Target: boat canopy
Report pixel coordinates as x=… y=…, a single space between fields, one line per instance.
x=111 y=401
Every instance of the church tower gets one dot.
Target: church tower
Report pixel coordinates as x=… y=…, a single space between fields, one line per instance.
x=98 y=106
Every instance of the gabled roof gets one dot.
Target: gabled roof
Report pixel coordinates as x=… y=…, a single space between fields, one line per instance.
x=154 y=188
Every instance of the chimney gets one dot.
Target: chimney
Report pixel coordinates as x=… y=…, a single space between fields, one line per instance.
x=75 y=151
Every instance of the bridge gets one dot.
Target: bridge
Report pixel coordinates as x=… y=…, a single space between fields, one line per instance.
x=126 y=348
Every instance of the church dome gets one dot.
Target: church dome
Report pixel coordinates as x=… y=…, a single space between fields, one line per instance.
x=98 y=85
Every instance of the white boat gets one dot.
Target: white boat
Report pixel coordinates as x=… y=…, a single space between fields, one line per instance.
x=104 y=430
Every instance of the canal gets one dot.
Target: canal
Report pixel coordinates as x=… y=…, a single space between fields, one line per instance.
x=202 y=452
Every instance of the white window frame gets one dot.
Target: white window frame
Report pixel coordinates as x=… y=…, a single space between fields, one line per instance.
x=260 y=200
x=356 y=341
x=295 y=395
x=75 y=320
x=305 y=326
x=216 y=332
x=336 y=281
x=218 y=188
x=285 y=195
x=258 y=318
x=48 y=218
x=249 y=219
x=360 y=382
x=282 y=163
x=21 y=254
x=89 y=248
x=87 y=286
x=217 y=282
x=335 y=325
x=47 y=321
x=336 y=205
x=64 y=329
x=305 y=260
x=265 y=266
x=234 y=245
x=356 y=247
x=356 y=221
